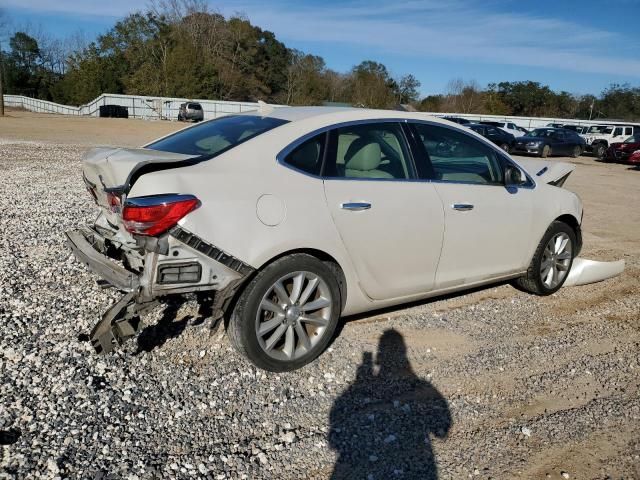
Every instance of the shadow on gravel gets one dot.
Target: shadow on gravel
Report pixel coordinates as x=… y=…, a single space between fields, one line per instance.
x=381 y=426
x=155 y=336
x=9 y=437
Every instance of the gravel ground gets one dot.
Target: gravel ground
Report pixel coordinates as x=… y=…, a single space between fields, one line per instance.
x=490 y=384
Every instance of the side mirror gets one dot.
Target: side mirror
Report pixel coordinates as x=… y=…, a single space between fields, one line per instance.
x=513 y=176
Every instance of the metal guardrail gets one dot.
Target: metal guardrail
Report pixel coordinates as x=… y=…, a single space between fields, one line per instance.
x=166 y=108
x=151 y=108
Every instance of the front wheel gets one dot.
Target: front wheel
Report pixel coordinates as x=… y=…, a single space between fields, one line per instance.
x=505 y=147
x=546 y=150
x=551 y=262
x=287 y=314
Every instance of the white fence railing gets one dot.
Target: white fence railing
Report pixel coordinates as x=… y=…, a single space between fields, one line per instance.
x=152 y=108
x=165 y=108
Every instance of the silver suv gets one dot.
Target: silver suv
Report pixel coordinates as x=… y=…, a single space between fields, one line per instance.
x=190 y=111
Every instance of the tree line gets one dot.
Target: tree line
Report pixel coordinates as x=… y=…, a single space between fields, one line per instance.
x=180 y=48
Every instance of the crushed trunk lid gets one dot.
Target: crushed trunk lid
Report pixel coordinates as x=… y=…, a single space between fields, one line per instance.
x=115 y=168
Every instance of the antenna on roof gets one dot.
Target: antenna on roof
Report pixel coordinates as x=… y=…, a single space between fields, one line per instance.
x=264 y=108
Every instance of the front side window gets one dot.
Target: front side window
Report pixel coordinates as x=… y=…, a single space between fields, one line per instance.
x=307 y=156
x=216 y=136
x=454 y=156
x=374 y=151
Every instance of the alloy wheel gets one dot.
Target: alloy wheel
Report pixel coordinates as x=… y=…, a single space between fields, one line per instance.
x=293 y=315
x=556 y=260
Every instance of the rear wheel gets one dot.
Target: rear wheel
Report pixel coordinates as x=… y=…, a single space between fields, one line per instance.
x=551 y=262
x=287 y=314
x=599 y=150
x=546 y=150
x=577 y=151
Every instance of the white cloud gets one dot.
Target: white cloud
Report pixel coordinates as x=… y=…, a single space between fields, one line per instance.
x=95 y=8
x=452 y=30
x=419 y=29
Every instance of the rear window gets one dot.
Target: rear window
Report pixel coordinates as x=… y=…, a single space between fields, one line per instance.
x=195 y=106
x=216 y=136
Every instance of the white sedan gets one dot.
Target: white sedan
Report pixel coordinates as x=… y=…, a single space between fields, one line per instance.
x=296 y=216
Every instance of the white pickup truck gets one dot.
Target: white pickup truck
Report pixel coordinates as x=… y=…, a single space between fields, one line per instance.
x=599 y=137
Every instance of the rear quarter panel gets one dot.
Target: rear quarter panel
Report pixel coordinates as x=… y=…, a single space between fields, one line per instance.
x=294 y=215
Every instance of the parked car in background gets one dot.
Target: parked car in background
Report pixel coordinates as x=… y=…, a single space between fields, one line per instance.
x=599 y=137
x=554 y=125
x=624 y=152
x=576 y=128
x=550 y=141
x=458 y=120
x=503 y=139
x=508 y=127
x=289 y=218
x=190 y=112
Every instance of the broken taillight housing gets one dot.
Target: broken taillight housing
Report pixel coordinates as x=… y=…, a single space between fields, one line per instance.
x=114 y=201
x=156 y=214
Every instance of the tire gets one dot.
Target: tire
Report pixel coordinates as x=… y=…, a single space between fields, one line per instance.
x=599 y=150
x=281 y=347
x=546 y=150
x=505 y=147
x=577 y=151
x=535 y=280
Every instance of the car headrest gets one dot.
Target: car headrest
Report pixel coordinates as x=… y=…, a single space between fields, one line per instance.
x=363 y=155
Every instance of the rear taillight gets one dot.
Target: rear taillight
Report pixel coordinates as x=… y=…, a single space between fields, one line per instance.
x=156 y=214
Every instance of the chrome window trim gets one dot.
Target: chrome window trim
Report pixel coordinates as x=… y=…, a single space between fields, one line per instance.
x=280 y=157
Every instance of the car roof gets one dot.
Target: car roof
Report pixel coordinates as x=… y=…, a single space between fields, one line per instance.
x=338 y=114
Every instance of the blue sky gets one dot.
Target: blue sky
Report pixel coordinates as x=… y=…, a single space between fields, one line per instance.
x=578 y=46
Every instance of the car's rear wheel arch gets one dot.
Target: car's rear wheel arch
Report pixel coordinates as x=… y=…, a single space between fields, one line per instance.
x=324 y=257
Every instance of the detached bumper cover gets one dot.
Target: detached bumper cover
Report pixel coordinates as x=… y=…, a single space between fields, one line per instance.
x=83 y=243
x=586 y=271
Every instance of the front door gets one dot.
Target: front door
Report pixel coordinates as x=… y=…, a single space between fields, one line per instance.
x=391 y=225
x=487 y=226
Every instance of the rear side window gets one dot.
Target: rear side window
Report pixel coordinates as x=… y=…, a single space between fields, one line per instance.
x=369 y=151
x=212 y=138
x=307 y=157
x=457 y=157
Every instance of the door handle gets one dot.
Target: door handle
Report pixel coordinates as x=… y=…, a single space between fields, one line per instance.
x=462 y=207
x=356 y=206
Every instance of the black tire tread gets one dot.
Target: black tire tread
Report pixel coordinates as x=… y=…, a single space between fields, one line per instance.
x=530 y=281
x=234 y=327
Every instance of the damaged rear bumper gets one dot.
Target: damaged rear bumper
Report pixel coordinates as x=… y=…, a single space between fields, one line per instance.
x=188 y=265
x=86 y=245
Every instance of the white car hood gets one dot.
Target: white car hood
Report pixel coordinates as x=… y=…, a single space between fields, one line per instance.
x=546 y=171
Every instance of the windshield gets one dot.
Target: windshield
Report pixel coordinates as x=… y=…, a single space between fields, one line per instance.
x=600 y=129
x=216 y=136
x=541 y=132
x=633 y=139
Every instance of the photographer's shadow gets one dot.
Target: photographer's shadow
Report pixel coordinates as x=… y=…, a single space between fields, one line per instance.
x=382 y=425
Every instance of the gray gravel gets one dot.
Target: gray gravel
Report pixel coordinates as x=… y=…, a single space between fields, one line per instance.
x=511 y=389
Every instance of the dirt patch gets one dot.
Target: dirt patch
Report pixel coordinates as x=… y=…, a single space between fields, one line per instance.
x=19 y=125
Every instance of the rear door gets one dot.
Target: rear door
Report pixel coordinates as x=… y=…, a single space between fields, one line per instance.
x=391 y=225
x=487 y=226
